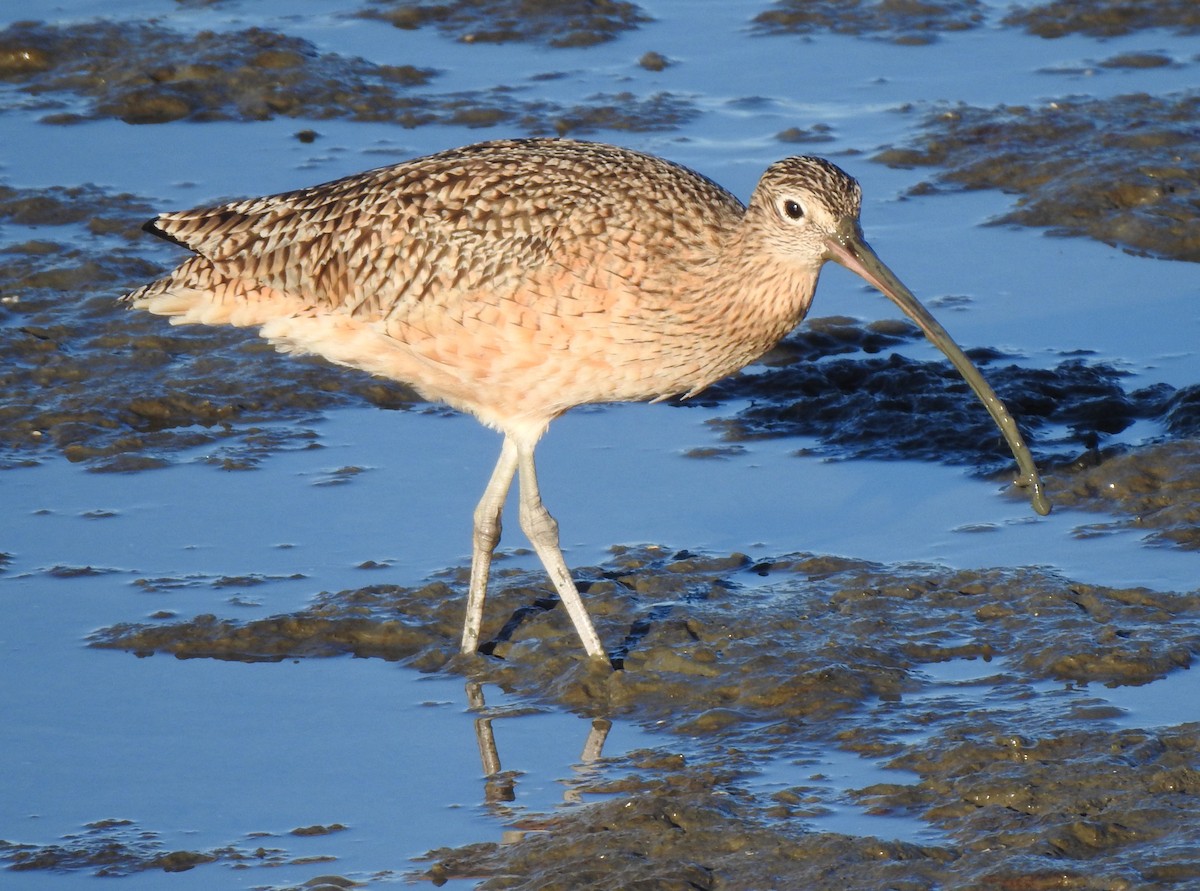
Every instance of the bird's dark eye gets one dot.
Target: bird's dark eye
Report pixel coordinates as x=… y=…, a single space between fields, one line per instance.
x=793 y=209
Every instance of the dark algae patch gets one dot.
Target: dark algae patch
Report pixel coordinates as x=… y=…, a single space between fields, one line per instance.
x=1154 y=489
x=101 y=385
x=1123 y=170
x=864 y=407
x=113 y=848
x=102 y=212
x=148 y=74
x=1105 y=18
x=739 y=662
x=692 y=832
x=556 y=23
x=920 y=21
x=902 y=21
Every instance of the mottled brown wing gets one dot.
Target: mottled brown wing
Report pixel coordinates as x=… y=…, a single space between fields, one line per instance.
x=447 y=226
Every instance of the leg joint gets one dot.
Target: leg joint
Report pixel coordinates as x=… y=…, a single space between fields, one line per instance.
x=538 y=525
x=487 y=529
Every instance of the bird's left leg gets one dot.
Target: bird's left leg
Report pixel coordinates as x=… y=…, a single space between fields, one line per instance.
x=542 y=530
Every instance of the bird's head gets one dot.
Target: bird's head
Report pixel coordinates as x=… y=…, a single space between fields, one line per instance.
x=804 y=211
x=800 y=204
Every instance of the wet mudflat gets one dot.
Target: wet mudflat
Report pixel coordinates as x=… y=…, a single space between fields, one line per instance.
x=756 y=662
x=979 y=688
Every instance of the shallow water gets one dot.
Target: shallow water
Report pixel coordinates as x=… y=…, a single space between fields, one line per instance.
x=207 y=754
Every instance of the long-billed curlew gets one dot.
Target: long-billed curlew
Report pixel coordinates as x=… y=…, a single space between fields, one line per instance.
x=516 y=279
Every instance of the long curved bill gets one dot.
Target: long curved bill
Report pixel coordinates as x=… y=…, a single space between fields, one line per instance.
x=848 y=247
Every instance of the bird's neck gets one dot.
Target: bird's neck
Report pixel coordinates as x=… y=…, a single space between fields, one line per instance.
x=746 y=300
x=763 y=294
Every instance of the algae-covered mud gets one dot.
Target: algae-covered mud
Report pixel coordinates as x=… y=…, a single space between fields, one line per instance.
x=114 y=848
x=931 y=696
x=912 y=23
x=1124 y=170
x=552 y=22
x=754 y=661
x=1154 y=488
x=97 y=384
x=794 y=637
x=920 y=22
x=858 y=406
x=1104 y=18
x=148 y=74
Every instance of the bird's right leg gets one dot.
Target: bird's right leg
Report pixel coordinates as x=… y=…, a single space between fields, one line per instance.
x=486 y=537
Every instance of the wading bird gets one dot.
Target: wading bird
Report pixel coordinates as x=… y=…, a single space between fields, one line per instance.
x=517 y=279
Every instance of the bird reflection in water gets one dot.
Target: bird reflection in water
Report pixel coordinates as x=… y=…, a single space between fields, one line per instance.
x=499 y=784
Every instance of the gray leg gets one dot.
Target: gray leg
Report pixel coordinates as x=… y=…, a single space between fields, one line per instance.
x=542 y=531
x=485 y=539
